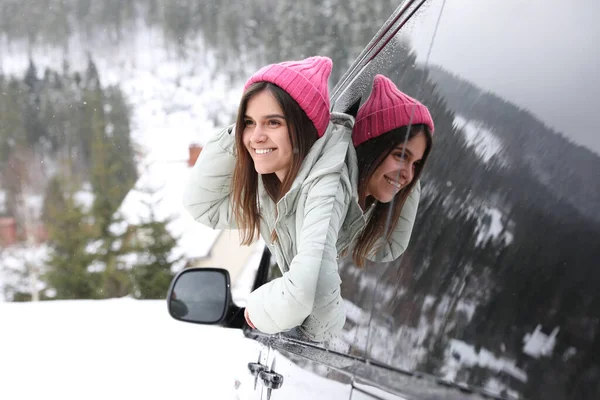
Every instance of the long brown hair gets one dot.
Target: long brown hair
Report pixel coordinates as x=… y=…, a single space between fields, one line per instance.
x=370 y=155
x=244 y=186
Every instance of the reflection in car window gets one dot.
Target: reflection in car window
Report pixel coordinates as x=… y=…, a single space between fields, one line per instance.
x=498 y=287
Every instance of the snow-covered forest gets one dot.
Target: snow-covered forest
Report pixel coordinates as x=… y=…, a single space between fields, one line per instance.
x=498 y=287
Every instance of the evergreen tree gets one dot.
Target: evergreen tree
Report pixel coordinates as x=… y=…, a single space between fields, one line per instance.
x=68 y=271
x=118 y=135
x=154 y=245
x=107 y=196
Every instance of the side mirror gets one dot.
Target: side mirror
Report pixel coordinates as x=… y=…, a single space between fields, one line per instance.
x=203 y=296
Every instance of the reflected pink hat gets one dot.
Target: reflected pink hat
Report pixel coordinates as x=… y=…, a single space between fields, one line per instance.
x=387 y=108
x=306 y=81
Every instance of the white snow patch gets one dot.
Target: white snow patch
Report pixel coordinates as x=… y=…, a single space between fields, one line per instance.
x=2 y=201
x=491 y=226
x=537 y=343
x=460 y=353
x=570 y=352
x=496 y=387
x=242 y=286
x=428 y=302
x=355 y=313
x=483 y=140
x=15 y=262
x=84 y=197
x=400 y=345
x=34 y=204
x=160 y=190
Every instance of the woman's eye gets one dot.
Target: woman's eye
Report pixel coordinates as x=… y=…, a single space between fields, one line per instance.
x=248 y=122
x=274 y=123
x=400 y=156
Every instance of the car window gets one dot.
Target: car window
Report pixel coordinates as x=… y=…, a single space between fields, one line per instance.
x=498 y=286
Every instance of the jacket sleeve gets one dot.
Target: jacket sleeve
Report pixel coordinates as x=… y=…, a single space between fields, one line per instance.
x=285 y=302
x=207 y=195
x=398 y=243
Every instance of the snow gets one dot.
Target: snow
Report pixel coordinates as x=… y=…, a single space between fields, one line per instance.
x=123 y=349
x=84 y=197
x=242 y=286
x=496 y=387
x=161 y=189
x=537 y=344
x=117 y=349
x=380 y=394
x=356 y=314
x=460 y=353
x=491 y=226
x=2 y=201
x=13 y=264
x=175 y=100
x=34 y=203
x=482 y=139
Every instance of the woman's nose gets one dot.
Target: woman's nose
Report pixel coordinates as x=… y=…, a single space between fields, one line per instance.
x=405 y=175
x=258 y=136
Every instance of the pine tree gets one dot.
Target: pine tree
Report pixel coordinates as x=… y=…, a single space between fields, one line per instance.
x=118 y=134
x=68 y=271
x=107 y=196
x=154 y=245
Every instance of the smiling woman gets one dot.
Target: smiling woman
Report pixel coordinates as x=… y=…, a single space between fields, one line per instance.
x=277 y=134
x=393 y=138
x=265 y=133
x=281 y=171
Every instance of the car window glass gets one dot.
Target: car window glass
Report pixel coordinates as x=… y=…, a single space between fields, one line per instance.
x=498 y=287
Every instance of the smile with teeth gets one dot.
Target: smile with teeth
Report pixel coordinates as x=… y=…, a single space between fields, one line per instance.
x=397 y=185
x=263 y=151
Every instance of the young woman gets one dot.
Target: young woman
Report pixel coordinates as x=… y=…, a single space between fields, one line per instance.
x=280 y=171
x=393 y=138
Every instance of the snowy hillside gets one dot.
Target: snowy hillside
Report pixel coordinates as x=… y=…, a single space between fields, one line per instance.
x=175 y=100
x=483 y=140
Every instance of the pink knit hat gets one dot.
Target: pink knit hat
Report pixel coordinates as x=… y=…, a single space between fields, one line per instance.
x=306 y=81
x=387 y=108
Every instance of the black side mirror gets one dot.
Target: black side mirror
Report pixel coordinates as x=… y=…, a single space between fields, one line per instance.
x=203 y=296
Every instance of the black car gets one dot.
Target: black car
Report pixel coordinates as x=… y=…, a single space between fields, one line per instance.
x=498 y=293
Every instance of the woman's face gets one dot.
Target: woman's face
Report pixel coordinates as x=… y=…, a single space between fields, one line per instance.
x=397 y=170
x=266 y=135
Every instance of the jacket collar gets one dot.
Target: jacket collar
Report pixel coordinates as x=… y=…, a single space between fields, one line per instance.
x=336 y=143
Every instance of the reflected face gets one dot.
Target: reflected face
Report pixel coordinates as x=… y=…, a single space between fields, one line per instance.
x=266 y=135
x=397 y=170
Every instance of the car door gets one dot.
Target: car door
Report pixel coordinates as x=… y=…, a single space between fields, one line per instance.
x=498 y=289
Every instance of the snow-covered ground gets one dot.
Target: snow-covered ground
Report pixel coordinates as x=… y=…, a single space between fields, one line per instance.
x=124 y=349
x=114 y=349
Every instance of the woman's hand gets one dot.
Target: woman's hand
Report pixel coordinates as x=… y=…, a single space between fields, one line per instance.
x=248 y=319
